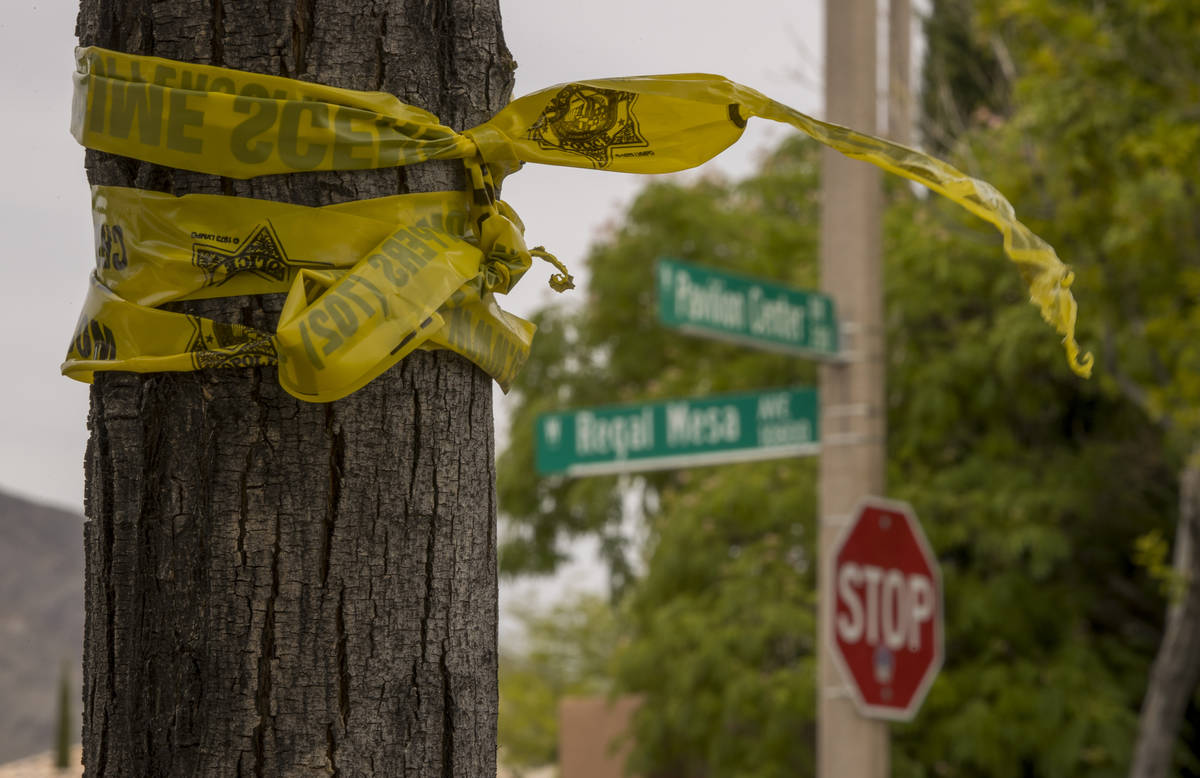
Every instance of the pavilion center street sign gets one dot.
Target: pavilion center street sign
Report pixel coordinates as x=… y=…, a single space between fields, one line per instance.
x=678 y=433
x=751 y=312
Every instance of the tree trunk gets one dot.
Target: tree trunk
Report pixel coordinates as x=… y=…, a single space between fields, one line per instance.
x=276 y=587
x=1176 y=669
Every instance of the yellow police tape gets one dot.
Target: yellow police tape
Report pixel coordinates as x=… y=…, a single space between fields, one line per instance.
x=425 y=271
x=413 y=280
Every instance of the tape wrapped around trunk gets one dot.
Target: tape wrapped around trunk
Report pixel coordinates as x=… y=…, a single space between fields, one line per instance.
x=435 y=262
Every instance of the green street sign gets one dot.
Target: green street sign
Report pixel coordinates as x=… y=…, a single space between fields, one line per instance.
x=749 y=311
x=678 y=433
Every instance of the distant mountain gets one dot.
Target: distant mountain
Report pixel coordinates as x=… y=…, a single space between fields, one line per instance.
x=41 y=621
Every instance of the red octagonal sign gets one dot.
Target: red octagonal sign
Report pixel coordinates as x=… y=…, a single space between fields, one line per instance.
x=887 y=614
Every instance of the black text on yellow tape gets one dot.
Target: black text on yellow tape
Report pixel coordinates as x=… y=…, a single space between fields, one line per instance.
x=241 y=125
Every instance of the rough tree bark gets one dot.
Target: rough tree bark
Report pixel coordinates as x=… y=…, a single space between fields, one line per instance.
x=1176 y=669
x=282 y=588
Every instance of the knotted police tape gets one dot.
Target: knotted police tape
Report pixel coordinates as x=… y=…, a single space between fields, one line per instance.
x=370 y=281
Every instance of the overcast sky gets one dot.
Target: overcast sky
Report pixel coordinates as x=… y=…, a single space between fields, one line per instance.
x=772 y=45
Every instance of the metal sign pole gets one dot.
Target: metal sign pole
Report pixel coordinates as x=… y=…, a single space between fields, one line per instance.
x=852 y=391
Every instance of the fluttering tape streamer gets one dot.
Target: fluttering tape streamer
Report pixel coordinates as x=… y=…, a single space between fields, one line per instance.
x=369 y=281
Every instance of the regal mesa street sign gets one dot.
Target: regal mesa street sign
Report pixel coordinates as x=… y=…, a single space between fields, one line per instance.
x=678 y=433
x=887 y=610
x=748 y=311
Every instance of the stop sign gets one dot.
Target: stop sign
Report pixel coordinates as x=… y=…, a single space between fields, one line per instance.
x=887 y=614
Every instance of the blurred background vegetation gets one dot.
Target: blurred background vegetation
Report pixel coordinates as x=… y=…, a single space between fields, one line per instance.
x=1051 y=501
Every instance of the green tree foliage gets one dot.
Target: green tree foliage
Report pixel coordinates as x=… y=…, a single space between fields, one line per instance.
x=963 y=82
x=568 y=650
x=1034 y=487
x=723 y=627
x=1109 y=91
x=1104 y=141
